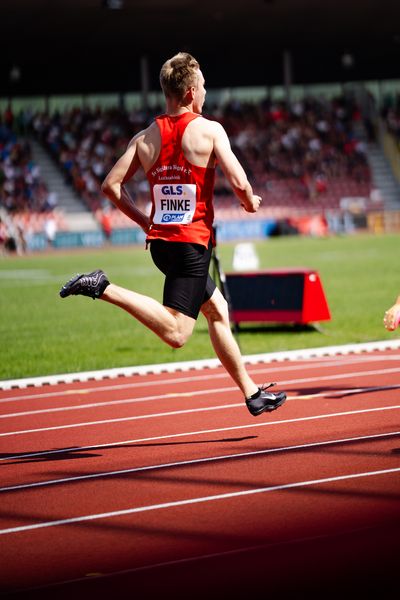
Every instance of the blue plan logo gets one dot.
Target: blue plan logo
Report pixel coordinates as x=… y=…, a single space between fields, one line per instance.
x=172 y=218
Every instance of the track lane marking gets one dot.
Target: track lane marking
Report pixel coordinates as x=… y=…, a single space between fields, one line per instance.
x=195 y=461
x=184 y=394
x=201 y=432
x=208 y=391
x=198 y=500
x=290 y=355
x=201 y=557
x=168 y=413
x=223 y=375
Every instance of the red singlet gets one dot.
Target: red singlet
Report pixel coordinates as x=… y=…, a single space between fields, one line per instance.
x=181 y=193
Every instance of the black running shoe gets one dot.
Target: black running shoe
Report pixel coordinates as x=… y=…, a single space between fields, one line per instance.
x=91 y=284
x=263 y=401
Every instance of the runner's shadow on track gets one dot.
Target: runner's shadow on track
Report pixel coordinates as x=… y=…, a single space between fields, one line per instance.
x=366 y=390
x=19 y=458
x=332 y=392
x=71 y=453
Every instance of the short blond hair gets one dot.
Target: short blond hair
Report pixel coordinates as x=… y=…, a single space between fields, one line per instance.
x=178 y=74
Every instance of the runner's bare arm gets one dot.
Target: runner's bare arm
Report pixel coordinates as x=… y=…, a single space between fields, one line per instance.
x=234 y=171
x=113 y=185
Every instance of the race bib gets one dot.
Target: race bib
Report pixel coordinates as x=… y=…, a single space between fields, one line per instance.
x=175 y=203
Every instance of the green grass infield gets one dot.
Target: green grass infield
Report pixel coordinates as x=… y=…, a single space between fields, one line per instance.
x=42 y=334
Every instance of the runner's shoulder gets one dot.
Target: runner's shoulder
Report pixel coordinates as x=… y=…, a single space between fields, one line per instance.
x=210 y=126
x=146 y=135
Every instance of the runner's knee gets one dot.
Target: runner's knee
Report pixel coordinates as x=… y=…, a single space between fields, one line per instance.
x=216 y=309
x=177 y=339
x=178 y=334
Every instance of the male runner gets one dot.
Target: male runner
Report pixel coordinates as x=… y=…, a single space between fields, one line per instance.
x=178 y=153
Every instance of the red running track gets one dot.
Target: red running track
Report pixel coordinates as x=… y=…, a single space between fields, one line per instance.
x=165 y=484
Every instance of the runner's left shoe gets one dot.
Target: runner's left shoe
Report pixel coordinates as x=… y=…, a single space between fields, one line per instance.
x=90 y=284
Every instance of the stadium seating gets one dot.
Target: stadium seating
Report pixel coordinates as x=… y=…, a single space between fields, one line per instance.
x=26 y=205
x=305 y=159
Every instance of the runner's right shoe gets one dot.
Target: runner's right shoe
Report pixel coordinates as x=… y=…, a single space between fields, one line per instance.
x=263 y=401
x=90 y=284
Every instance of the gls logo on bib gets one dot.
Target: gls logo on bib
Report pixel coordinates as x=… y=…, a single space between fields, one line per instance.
x=175 y=203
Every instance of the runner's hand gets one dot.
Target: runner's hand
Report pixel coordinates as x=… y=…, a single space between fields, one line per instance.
x=391 y=319
x=252 y=205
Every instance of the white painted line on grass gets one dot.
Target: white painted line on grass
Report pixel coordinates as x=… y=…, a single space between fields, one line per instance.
x=198 y=500
x=389 y=344
x=196 y=461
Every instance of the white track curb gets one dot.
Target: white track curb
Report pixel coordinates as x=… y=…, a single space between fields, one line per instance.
x=290 y=355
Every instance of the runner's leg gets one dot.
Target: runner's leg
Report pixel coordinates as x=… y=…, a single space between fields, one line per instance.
x=170 y=325
x=216 y=312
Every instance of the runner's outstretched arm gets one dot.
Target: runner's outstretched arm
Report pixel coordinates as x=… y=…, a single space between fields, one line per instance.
x=234 y=171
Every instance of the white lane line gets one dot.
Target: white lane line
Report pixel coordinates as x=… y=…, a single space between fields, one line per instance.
x=166 y=396
x=322 y=363
x=170 y=413
x=202 y=557
x=185 y=463
x=208 y=391
x=122 y=419
x=293 y=355
x=198 y=500
x=330 y=394
x=202 y=431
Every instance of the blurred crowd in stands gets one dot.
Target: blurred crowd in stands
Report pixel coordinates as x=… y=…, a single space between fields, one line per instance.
x=21 y=186
x=391 y=117
x=309 y=155
x=24 y=196
x=297 y=156
x=85 y=144
x=300 y=151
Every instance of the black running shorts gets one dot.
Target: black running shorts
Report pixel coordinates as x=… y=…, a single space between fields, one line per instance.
x=187 y=281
